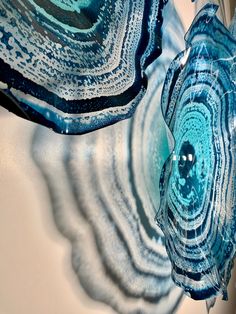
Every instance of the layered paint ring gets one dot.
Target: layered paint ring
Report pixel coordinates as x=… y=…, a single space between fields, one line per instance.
x=77 y=66
x=198 y=197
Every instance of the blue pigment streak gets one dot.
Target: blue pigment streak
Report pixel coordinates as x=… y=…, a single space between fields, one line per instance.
x=198 y=196
x=76 y=67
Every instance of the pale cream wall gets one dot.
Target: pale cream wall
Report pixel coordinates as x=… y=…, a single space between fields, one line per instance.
x=35 y=276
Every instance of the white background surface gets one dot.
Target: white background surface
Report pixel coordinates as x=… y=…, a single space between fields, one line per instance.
x=35 y=273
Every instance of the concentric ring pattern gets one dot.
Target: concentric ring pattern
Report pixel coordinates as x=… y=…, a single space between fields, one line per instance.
x=104 y=195
x=198 y=189
x=76 y=66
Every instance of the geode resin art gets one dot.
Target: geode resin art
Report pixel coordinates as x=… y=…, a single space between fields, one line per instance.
x=148 y=199
x=198 y=189
x=76 y=66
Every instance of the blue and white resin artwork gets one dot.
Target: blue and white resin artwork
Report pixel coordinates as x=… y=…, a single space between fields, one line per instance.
x=77 y=66
x=198 y=183
x=148 y=204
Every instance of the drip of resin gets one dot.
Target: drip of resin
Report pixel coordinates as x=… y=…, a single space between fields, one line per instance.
x=77 y=66
x=210 y=304
x=198 y=189
x=104 y=195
